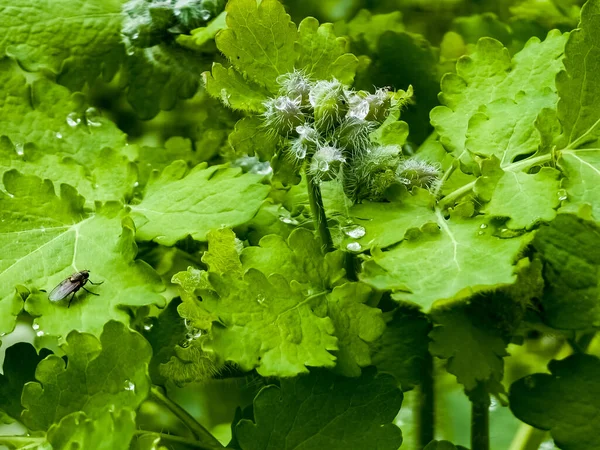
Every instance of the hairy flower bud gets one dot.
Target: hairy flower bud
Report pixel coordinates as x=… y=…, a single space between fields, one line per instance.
x=353 y=134
x=305 y=143
x=295 y=84
x=326 y=163
x=416 y=172
x=330 y=104
x=283 y=114
x=372 y=173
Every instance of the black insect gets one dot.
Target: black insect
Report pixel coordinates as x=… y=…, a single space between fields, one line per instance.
x=71 y=285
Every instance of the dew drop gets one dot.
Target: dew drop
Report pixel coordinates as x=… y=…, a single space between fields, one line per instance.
x=136 y=184
x=35 y=326
x=480 y=233
x=129 y=386
x=135 y=36
x=483 y=226
x=20 y=149
x=92 y=117
x=354 y=247
x=288 y=220
x=148 y=324
x=493 y=404
x=193 y=334
x=130 y=50
x=73 y=119
x=58 y=135
x=562 y=195
x=260 y=299
x=39 y=333
x=355 y=231
x=263 y=168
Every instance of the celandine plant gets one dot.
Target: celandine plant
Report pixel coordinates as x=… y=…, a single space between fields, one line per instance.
x=308 y=236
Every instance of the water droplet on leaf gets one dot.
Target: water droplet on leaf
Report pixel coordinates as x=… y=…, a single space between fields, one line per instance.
x=129 y=386
x=59 y=135
x=39 y=333
x=483 y=226
x=288 y=220
x=73 y=119
x=92 y=117
x=354 y=247
x=562 y=195
x=20 y=149
x=35 y=326
x=355 y=231
x=205 y=14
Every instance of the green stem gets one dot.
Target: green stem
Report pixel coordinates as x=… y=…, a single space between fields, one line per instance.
x=318 y=211
x=201 y=433
x=514 y=167
x=528 y=438
x=175 y=439
x=426 y=404
x=480 y=418
x=21 y=441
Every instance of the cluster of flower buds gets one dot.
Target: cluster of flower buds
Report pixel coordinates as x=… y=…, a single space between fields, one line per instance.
x=328 y=126
x=147 y=23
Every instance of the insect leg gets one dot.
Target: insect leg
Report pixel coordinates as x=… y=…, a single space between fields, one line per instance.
x=95 y=283
x=93 y=293
x=70 y=300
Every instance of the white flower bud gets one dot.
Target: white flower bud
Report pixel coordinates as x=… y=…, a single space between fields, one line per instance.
x=295 y=84
x=283 y=114
x=416 y=172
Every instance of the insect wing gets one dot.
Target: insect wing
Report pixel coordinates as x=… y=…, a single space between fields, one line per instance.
x=65 y=288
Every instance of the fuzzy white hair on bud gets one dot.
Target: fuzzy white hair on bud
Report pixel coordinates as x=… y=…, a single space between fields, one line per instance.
x=416 y=172
x=307 y=140
x=295 y=84
x=329 y=102
x=354 y=134
x=326 y=162
x=283 y=114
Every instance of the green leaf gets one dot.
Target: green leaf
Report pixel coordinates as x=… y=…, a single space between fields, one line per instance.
x=259 y=40
x=324 y=411
x=564 y=401
x=403 y=347
x=455 y=261
x=250 y=137
x=443 y=445
x=20 y=362
x=47 y=238
x=582 y=182
x=202 y=36
x=233 y=90
x=98 y=374
x=157 y=77
x=577 y=85
x=571 y=271
x=79 y=39
x=357 y=326
x=265 y=323
x=298 y=259
x=473 y=347
x=500 y=96
x=223 y=255
x=108 y=430
x=365 y=29
x=177 y=203
x=526 y=199
x=71 y=144
x=386 y=224
x=322 y=54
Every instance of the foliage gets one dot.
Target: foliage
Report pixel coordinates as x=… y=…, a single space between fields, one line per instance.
x=299 y=234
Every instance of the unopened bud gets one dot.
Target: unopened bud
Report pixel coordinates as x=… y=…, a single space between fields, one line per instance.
x=329 y=102
x=283 y=114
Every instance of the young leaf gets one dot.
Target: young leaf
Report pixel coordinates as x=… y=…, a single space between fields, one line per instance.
x=323 y=55
x=177 y=204
x=564 y=401
x=324 y=411
x=109 y=429
x=265 y=323
x=259 y=40
x=521 y=87
x=97 y=374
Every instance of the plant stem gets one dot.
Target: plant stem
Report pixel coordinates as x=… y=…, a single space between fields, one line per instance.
x=528 y=438
x=201 y=433
x=480 y=419
x=426 y=404
x=318 y=211
x=176 y=439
